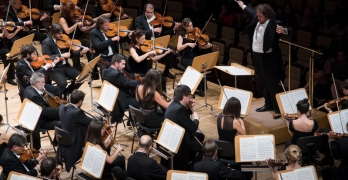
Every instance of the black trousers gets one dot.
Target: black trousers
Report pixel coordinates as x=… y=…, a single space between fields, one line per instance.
x=3 y=51
x=117 y=114
x=59 y=75
x=43 y=124
x=267 y=73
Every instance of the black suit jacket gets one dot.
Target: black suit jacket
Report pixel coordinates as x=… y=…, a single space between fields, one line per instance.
x=10 y=162
x=180 y=115
x=140 y=166
x=12 y=16
x=99 y=43
x=51 y=4
x=75 y=122
x=22 y=69
x=141 y=23
x=216 y=170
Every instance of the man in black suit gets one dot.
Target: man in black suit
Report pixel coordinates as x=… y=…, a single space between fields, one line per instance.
x=62 y=69
x=143 y=22
x=103 y=45
x=263 y=32
x=11 y=14
x=75 y=122
x=215 y=169
x=54 y=6
x=115 y=76
x=141 y=166
x=24 y=70
x=178 y=113
x=10 y=158
x=48 y=118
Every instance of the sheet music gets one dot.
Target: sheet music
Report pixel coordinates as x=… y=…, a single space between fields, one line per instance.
x=336 y=124
x=179 y=176
x=234 y=70
x=293 y=97
x=94 y=161
x=188 y=176
x=170 y=137
x=287 y=176
x=19 y=177
x=257 y=148
x=190 y=78
x=265 y=147
x=248 y=149
x=108 y=96
x=30 y=115
x=305 y=173
x=243 y=97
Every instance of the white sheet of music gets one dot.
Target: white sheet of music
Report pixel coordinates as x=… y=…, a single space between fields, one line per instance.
x=258 y=148
x=301 y=173
x=234 y=70
x=339 y=121
x=188 y=176
x=243 y=96
x=108 y=96
x=190 y=78
x=290 y=99
x=30 y=115
x=19 y=177
x=287 y=176
x=170 y=137
x=94 y=161
x=248 y=149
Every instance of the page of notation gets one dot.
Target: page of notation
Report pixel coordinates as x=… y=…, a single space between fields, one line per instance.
x=242 y=96
x=188 y=176
x=305 y=173
x=233 y=70
x=287 y=176
x=107 y=96
x=338 y=121
x=248 y=149
x=265 y=147
x=290 y=99
x=19 y=177
x=190 y=78
x=170 y=136
x=30 y=115
x=94 y=161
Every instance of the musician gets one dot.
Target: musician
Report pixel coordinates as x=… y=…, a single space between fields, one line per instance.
x=143 y=22
x=293 y=156
x=114 y=74
x=344 y=86
x=149 y=96
x=24 y=70
x=264 y=36
x=4 y=50
x=50 y=170
x=62 y=69
x=54 y=6
x=215 y=169
x=11 y=14
x=10 y=158
x=189 y=50
x=98 y=10
x=178 y=112
x=138 y=59
x=101 y=43
x=141 y=166
x=48 y=117
x=75 y=122
x=115 y=164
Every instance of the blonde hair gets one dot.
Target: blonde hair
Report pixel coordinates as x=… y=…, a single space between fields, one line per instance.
x=293 y=152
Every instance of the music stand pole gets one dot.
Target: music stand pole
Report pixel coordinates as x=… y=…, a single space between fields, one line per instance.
x=204 y=66
x=6 y=99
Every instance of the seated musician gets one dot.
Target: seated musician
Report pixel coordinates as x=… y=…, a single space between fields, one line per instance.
x=54 y=6
x=3 y=142
x=115 y=75
x=141 y=166
x=149 y=97
x=62 y=69
x=143 y=22
x=48 y=118
x=215 y=169
x=10 y=158
x=103 y=45
x=138 y=59
x=100 y=10
x=189 y=49
x=12 y=15
x=4 y=50
x=50 y=170
x=179 y=113
x=344 y=86
x=75 y=122
x=24 y=70
x=115 y=164
x=293 y=156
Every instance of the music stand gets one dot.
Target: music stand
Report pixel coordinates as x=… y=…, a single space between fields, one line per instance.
x=203 y=63
x=236 y=70
x=15 y=50
x=86 y=73
x=3 y=80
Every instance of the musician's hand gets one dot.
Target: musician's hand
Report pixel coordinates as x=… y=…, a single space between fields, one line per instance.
x=66 y=55
x=327 y=108
x=42 y=155
x=105 y=120
x=240 y=3
x=28 y=23
x=57 y=7
x=107 y=14
x=48 y=65
x=130 y=34
x=59 y=167
x=84 y=50
x=43 y=17
x=159 y=29
x=192 y=103
x=168 y=51
x=1 y=35
x=281 y=30
x=153 y=52
x=209 y=45
x=77 y=8
x=19 y=28
x=176 y=26
x=116 y=38
x=124 y=16
x=192 y=45
x=195 y=115
x=119 y=147
x=79 y=24
x=37 y=167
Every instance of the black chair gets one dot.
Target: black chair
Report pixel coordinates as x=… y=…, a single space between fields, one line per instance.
x=45 y=131
x=139 y=119
x=309 y=146
x=226 y=153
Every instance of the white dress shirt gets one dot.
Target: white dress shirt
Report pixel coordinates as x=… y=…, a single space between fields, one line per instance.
x=55 y=42
x=258 y=37
x=109 y=47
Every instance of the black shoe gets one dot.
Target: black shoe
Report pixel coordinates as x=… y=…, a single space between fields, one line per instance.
x=201 y=93
x=167 y=74
x=264 y=108
x=11 y=81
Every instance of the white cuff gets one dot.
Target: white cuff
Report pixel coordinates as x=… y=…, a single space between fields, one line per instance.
x=244 y=6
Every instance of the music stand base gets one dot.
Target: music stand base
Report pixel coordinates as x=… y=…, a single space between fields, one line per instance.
x=205 y=97
x=209 y=107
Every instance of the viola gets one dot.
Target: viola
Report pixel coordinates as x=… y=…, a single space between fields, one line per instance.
x=273 y=162
x=291 y=116
x=29 y=154
x=25 y=12
x=331 y=104
x=107 y=132
x=334 y=135
x=52 y=100
x=41 y=61
x=66 y=1
x=113 y=31
x=147 y=46
x=166 y=21
x=196 y=35
x=65 y=42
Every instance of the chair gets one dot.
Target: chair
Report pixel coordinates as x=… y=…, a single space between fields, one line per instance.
x=157 y=4
x=296 y=5
x=324 y=41
x=304 y=38
x=220 y=46
x=309 y=145
x=181 y=69
x=45 y=131
x=315 y=5
x=235 y=54
x=295 y=79
x=175 y=9
x=56 y=17
x=329 y=7
x=226 y=152
x=211 y=29
x=228 y=35
x=131 y=12
x=244 y=41
x=139 y=119
x=284 y=48
x=250 y=63
x=303 y=56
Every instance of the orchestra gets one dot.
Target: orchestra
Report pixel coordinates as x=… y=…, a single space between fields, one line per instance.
x=44 y=75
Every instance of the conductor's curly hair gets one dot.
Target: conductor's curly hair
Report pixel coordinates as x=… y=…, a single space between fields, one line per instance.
x=266 y=10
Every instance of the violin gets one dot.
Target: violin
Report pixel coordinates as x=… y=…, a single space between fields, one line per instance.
x=107 y=6
x=166 y=21
x=66 y=1
x=334 y=135
x=147 y=46
x=273 y=162
x=196 y=35
x=52 y=100
x=331 y=104
x=41 y=61
x=25 y=12
x=291 y=116
x=29 y=154
x=10 y=26
x=113 y=31
x=65 y=42
x=108 y=131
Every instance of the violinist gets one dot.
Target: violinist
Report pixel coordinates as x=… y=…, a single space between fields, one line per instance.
x=75 y=122
x=189 y=49
x=50 y=170
x=24 y=70
x=10 y=158
x=115 y=163
x=115 y=75
x=100 y=9
x=48 y=117
x=4 y=50
x=293 y=155
x=344 y=86
x=149 y=96
x=62 y=69
x=12 y=15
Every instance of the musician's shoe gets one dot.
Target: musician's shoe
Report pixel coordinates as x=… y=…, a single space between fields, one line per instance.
x=201 y=93
x=276 y=116
x=167 y=74
x=11 y=81
x=54 y=142
x=264 y=108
